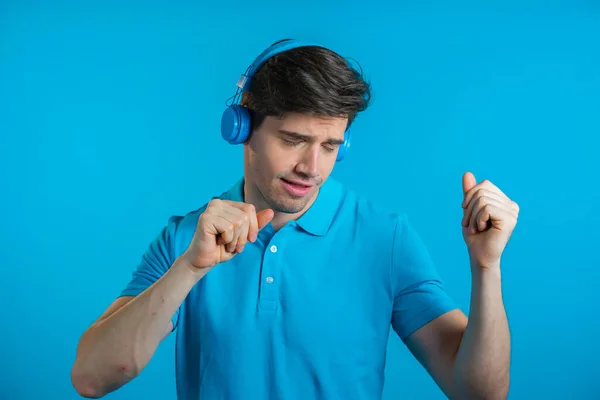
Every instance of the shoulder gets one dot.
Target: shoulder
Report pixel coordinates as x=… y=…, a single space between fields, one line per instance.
x=380 y=236
x=371 y=222
x=367 y=214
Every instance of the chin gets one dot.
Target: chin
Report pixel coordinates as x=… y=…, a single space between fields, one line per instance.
x=282 y=202
x=289 y=207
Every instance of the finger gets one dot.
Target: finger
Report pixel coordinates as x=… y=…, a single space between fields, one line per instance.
x=482 y=215
x=264 y=217
x=480 y=204
x=468 y=182
x=250 y=211
x=481 y=218
x=219 y=227
x=486 y=184
x=240 y=221
x=490 y=215
x=515 y=207
x=242 y=238
x=480 y=196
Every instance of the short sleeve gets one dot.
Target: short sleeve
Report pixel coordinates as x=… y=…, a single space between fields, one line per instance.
x=419 y=295
x=155 y=262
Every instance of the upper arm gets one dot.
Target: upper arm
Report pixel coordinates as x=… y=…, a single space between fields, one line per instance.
x=419 y=294
x=435 y=346
x=424 y=316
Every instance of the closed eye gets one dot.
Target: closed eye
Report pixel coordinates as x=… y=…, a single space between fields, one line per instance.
x=328 y=147
x=293 y=139
x=292 y=142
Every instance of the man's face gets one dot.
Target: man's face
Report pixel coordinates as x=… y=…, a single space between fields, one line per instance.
x=288 y=159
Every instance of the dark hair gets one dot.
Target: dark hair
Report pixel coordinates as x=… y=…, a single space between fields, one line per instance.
x=310 y=80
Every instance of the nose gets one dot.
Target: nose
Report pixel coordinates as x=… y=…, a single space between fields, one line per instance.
x=309 y=163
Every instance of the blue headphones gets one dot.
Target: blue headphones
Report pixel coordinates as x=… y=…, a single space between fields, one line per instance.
x=236 y=123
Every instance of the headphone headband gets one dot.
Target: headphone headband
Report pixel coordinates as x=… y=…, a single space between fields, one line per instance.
x=279 y=47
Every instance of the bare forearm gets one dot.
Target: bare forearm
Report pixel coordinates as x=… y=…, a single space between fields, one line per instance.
x=115 y=349
x=482 y=364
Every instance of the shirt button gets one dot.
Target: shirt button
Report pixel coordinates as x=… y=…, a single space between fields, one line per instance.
x=273 y=249
x=269 y=279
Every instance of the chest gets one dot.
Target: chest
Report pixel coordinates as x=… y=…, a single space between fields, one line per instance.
x=300 y=290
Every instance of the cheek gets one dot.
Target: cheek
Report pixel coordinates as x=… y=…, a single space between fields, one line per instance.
x=270 y=160
x=277 y=159
x=325 y=172
x=327 y=163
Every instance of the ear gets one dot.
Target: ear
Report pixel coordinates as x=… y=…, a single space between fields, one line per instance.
x=255 y=122
x=245 y=99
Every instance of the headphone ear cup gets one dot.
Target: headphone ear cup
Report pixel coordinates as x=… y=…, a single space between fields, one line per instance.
x=344 y=147
x=235 y=124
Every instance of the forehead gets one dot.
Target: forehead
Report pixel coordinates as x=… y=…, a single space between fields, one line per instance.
x=309 y=125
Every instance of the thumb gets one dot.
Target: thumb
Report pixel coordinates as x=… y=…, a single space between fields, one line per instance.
x=263 y=217
x=468 y=181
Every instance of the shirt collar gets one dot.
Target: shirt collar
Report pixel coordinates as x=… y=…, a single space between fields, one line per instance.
x=318 y=218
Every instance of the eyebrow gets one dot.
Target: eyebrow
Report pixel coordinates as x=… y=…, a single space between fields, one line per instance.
x=300 y=136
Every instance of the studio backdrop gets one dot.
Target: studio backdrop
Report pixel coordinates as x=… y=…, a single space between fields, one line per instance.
x=109 y=124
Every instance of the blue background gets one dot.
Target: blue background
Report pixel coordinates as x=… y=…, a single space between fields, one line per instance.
x=109 y=124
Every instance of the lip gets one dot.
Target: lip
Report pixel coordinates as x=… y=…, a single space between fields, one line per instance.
x=296 y=188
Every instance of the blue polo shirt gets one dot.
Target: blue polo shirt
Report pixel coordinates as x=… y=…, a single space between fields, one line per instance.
x=304 y=312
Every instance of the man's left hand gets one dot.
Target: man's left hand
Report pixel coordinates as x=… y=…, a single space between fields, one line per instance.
x=488 y=222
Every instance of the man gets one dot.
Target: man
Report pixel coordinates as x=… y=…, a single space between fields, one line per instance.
x=286 y=285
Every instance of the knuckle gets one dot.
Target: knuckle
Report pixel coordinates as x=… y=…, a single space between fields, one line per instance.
x=249 y=208
x=240 y=221
x=203 y=217
x=214 y=203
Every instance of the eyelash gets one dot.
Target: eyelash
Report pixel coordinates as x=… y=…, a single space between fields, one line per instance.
x=292 y=143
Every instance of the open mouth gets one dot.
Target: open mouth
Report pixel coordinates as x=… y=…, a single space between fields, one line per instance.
x=295 y=188
x=300 y=185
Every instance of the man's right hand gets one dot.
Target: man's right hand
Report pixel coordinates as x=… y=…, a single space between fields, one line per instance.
x=223 y=230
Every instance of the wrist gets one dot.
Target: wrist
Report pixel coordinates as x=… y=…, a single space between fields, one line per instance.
x=486 y=272
x=488 y=277
x=488 y=266
x=187 y=270
x=195 y=261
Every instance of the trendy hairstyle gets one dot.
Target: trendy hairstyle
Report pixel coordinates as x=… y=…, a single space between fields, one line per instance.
x=309 y=80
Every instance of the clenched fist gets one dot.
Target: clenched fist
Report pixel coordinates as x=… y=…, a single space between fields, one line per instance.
x=489 y=219
x=223 y=230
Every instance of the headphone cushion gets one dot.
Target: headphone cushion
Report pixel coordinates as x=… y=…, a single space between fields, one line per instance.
x=235 y=124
